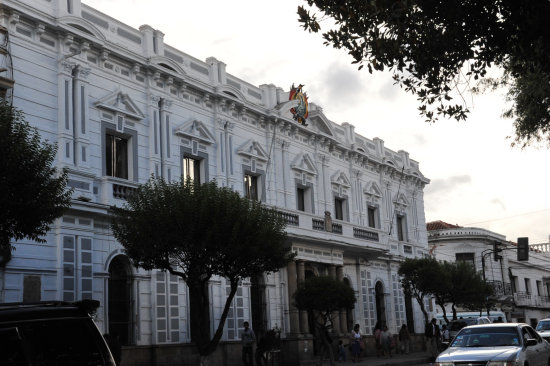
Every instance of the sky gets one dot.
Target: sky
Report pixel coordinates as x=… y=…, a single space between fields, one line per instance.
x=477 y=178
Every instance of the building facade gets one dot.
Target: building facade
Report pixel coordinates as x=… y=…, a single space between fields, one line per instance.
x=122 y=106
x=522 y=288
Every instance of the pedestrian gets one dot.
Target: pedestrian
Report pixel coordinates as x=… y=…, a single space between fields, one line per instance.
x=433 y=334
x=248 y=338
x=355 y=343
x=404 y=339
x=445 y=336
x=386 y=339
x=376 y=332
x=341 y=351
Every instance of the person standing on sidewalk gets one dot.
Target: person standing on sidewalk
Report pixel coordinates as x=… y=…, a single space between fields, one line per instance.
x=377 y=331
x=355 y=343
x=248 y=338
x=434 y=337
x=404 y=339
x=386 y=338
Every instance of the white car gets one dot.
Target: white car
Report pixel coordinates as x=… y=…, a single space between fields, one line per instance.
x=500 y=344
x=543 y=327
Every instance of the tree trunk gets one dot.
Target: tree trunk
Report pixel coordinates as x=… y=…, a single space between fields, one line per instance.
x=205 y=360
x=199 y=311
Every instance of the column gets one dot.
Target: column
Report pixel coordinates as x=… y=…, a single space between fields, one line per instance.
x=343 y=313
x=304 y=326
x=292 y=311
x=336 y=314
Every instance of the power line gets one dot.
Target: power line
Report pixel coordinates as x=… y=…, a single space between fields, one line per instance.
x=508 y=217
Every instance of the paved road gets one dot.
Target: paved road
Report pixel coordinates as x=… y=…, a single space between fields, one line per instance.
x=416 y=358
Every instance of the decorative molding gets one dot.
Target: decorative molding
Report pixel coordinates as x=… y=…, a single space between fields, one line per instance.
x=119 y=102
x=196 y=130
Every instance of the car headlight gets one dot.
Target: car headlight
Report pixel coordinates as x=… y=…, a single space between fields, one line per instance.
x=501 y=363
x=444 y=364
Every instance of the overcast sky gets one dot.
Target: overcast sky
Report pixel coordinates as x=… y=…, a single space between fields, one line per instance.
x=477 y=178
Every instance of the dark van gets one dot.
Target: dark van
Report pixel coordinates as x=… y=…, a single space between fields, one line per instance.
x=51 y=334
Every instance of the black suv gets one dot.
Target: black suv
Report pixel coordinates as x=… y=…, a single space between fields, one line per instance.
x=51 y=334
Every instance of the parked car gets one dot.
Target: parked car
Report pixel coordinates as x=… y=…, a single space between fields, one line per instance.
x=51 y=334
x=543 y=328
x=455 y=326
x=496 y=344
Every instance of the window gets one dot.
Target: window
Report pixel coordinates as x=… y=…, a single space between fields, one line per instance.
x=251 y=186
x=303 y=198
x=116 y=156
x=527 y=285
x=192 y=169
x=300 y=200
x=539 y=288
x=514 y=281
x=401 y=228
x=466 y=258
x=372 y=216
x=339 y=208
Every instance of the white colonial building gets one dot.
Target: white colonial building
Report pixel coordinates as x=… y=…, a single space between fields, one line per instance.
x=122 y=105
x=522 y=288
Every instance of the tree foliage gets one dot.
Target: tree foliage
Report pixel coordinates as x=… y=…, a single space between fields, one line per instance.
x=437 y=50
x=197 y=231
x=322 y=297
x=416 y=275
x=34 y=193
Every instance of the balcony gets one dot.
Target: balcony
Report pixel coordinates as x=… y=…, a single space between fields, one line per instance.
x=309 y=225
x=531 y=300
x=501 y=288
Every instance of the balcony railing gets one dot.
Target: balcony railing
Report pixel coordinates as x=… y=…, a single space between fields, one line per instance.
x=290 y=219
x=528 y=299
x=365 y=234
x=501 y=288
x=122 y=192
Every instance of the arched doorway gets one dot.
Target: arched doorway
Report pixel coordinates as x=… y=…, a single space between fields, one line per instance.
x=119 y=303
x=380 y=303
x=258 y=304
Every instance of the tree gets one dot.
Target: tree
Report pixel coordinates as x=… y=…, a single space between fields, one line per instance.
x=438 y=49
x=197 y=231
x=468 y=288
x=322 y=296
x=415 y=279
x=34 y=193
x=440 y=284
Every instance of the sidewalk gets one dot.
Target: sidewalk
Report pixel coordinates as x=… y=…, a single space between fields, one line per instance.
x=413 y=358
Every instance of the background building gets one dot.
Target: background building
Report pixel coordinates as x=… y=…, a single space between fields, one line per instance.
x=522 y=288
x=122 y=105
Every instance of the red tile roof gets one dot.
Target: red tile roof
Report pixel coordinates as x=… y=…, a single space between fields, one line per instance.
x=440 y=225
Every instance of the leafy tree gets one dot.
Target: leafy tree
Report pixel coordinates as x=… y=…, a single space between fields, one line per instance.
x=468 y=289
x=34 y=193
x=322 y=296
x=438 y=49
x=196 y=232
x=416 y=275
x=440 y=284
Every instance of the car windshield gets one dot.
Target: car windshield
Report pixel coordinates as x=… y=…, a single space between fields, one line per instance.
x=487 y=337
x=543 y=325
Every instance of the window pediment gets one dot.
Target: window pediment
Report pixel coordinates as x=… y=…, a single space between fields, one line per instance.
x=304 y=164
x=340 y=179
x=120 y=103
x=195 y=130
x=373 y=190
x=401 y=201
x=253 y=149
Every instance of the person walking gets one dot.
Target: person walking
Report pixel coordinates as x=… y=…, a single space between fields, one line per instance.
x=434 y=337
x=404 y=339
x=248 y=338
x=355 y=343
x=445 y=336
x=386 y=338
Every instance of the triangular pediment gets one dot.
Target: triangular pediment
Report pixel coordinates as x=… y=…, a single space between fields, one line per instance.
x=120 y=103
x=340 y=178
x=372 y=189
x=304 y=163
x=401 y=200
x=195 y=130
x=253 y=149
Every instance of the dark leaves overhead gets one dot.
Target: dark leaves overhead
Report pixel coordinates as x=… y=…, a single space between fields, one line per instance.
x=440 y=49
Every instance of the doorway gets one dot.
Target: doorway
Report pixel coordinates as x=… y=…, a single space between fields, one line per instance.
x=380 y=303
x=119 y=302
x=258 y=304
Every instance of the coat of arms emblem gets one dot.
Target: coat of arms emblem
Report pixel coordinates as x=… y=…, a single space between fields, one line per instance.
x=301 y=111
